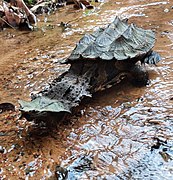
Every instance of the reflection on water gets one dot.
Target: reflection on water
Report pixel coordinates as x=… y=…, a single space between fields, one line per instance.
x=119 y=135
x=115 y=138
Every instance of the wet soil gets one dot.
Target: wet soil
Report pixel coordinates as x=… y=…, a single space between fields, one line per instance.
x=122 y=133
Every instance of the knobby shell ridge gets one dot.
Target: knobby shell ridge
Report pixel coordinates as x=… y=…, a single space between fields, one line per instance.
x=119 y=41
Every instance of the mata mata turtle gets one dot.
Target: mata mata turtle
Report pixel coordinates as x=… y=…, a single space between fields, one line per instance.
x=99 y=60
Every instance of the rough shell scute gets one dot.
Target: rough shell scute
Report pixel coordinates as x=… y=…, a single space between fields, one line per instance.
x=118 y=41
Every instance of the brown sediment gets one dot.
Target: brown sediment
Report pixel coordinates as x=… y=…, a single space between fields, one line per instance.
x=116 y=129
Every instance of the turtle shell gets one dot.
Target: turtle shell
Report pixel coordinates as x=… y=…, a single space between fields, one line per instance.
x=118 y=41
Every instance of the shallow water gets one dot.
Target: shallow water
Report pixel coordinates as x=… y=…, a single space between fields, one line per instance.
x=123 y=133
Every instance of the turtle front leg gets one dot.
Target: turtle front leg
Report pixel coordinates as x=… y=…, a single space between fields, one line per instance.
x=139 y=75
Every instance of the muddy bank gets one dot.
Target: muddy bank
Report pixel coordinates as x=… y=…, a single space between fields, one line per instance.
x=117 y=129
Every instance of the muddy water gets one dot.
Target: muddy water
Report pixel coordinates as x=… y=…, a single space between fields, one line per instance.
x=123 y=133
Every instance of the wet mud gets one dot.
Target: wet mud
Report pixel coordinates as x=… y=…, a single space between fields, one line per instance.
x=122 y=133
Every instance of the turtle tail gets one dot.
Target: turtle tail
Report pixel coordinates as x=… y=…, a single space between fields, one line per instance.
x=152 y=58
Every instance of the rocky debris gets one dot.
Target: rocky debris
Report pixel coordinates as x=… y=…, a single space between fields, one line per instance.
x=82 y=164
x=6 y=107
x=2 y=149
x=164 y=148
x=47 y=6
x=16 y=15
x=82 y=4
x=61 y=173
x=50 y=6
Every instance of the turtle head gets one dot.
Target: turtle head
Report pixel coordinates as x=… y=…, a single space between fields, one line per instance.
x=43 y=109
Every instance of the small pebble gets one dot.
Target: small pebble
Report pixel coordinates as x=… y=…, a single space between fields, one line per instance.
x=153 y=121
x=2 y=149
x=166 y=10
